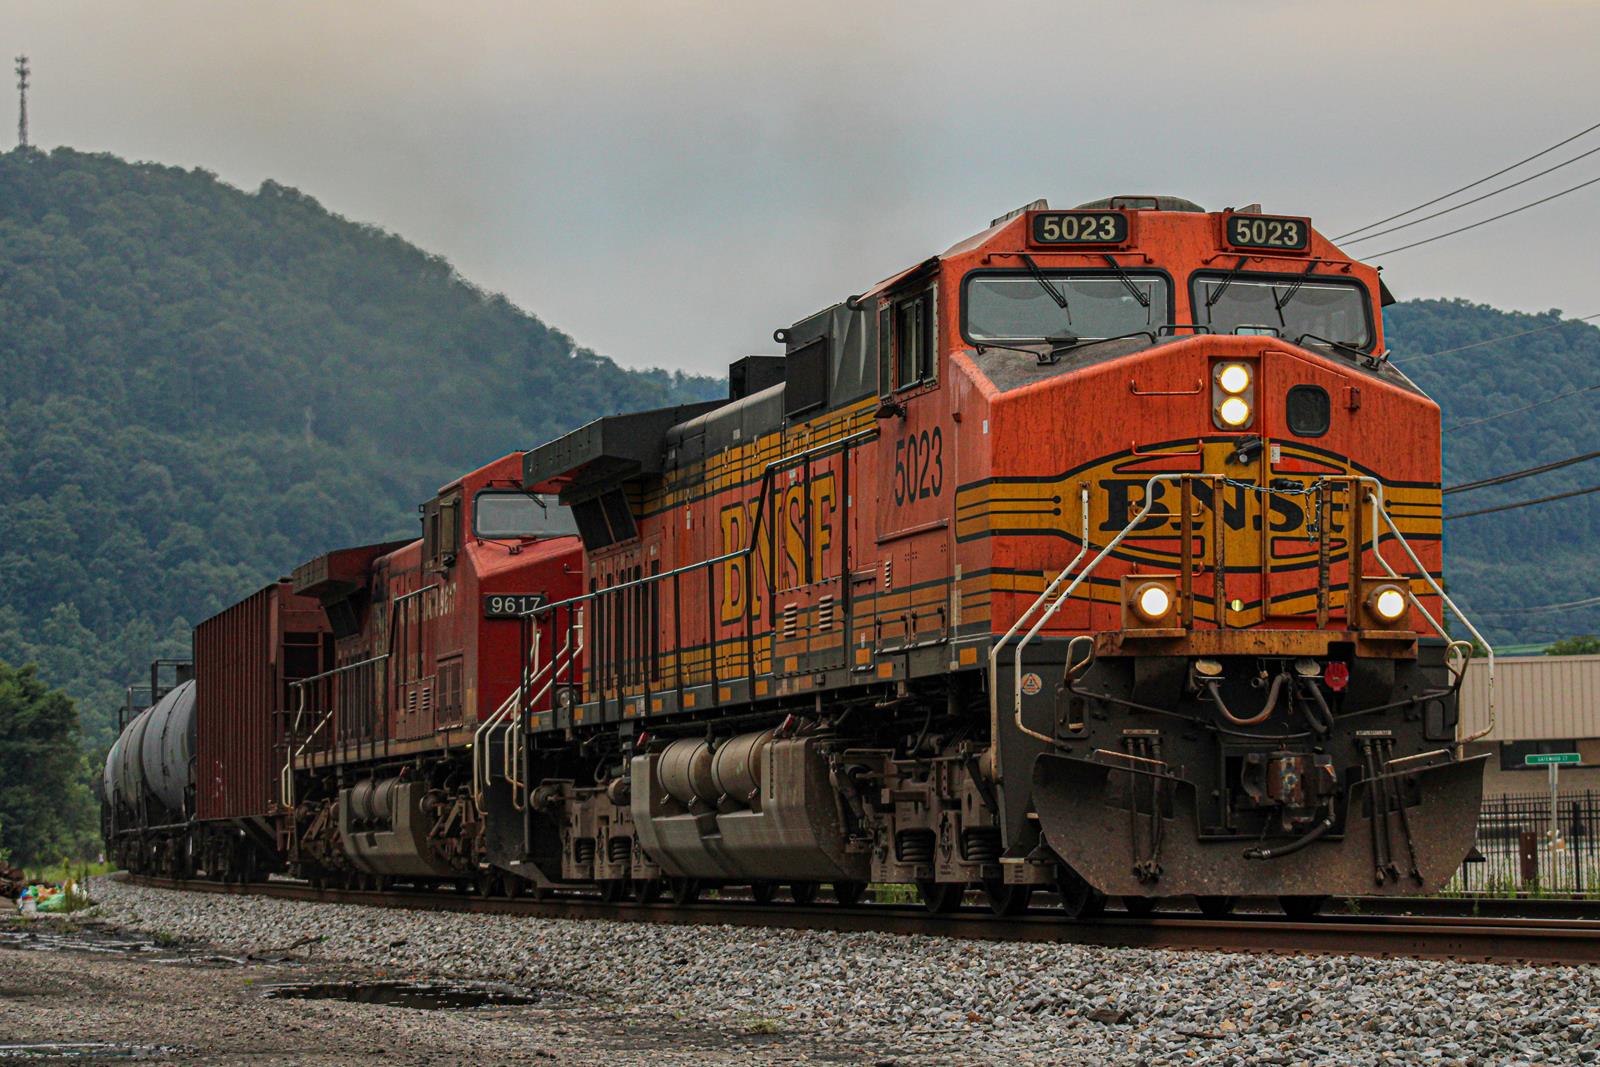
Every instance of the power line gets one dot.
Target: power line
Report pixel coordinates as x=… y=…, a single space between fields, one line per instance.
x=1497 y=340
x=1477 y=199
x=1524 y=503
x=1542 y=608
x=1484 y=222
x=1470 y=185
x=1501 y=479
x=1525 y=407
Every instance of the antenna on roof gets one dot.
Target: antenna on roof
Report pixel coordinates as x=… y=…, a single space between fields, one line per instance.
x=22 y=101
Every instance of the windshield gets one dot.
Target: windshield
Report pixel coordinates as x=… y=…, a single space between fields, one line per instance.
x=514 y=514
x=1336 y=311
x=1017 y=307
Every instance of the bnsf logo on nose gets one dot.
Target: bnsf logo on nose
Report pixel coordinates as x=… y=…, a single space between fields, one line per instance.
x=1241 y=507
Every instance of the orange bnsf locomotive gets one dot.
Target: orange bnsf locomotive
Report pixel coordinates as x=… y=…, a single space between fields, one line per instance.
x=1098 y=553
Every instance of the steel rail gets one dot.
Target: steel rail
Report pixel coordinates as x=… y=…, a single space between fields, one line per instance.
x=1448 y=937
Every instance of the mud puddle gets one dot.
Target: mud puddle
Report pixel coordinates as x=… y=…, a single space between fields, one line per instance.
x=427 y=995
x=63 y=1051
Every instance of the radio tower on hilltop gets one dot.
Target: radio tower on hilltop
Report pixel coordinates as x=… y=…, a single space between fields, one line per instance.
x=22 y=101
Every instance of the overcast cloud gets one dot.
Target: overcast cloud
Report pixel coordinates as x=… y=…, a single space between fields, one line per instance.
x=668 y=182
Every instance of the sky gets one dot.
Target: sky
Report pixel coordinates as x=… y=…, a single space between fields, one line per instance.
x=669 y=182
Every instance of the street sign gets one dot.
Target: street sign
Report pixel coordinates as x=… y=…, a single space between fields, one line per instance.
x=1543 y=759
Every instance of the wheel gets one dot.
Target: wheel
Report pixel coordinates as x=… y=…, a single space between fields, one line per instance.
x=512 y=887
x=683 y=890
x=1007 y=900
x=1079 y=899
x=941 y=898
x=849 y=894
x=803 y=892
x=614 y=890
x=763 y=892
x=488 y=884
x=647 y=890
x=1139 y=907
x=1301 y=909
x=1215 y=907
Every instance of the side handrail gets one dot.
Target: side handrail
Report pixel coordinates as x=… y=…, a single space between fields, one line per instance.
x=286 y=777
x=1379 y=511
x=740 y=554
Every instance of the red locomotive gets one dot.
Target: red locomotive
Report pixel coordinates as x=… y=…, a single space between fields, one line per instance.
x=1099 y=552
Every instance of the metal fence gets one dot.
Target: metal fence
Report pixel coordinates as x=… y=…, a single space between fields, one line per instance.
x=1518 y=855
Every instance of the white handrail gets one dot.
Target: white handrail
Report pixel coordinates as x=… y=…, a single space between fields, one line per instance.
x=1089 y=568
x=994 y=651
x=1375 y=494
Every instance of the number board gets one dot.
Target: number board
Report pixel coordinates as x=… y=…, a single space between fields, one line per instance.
x=1276 y=232
x=510 y=605
x=1078 y=228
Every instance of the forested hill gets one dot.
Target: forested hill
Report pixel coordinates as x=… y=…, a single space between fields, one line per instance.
x=1533 y=557
x=201 y=387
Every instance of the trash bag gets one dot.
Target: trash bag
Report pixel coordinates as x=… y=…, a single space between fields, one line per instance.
x=55 y=902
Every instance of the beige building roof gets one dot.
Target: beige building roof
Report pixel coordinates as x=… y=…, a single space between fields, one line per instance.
x=1536 y=698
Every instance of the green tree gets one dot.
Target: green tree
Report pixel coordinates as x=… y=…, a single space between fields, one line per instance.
x=46 y=811
x=1586 y=645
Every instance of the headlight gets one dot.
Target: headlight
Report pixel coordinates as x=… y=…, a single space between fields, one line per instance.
x=1388 y=602
x=1234 y=378
x=1233 y=412
x=1152 y=601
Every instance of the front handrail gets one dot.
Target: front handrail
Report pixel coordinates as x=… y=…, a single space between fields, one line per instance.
x=994 y=650
x=1379 y=512
x=482 y=768
x=1066 y=594
x=1375 y=495
x=516 y=738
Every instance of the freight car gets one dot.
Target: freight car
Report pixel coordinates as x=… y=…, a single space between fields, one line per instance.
x=1099 y=553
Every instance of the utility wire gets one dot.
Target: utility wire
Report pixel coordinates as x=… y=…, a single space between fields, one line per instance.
x=1525 y=407
x=1477 y=199
x=1542 y=608
x=1497 y=340
x=1483 y=222
x=1524 y=503
x=1470 y=185
x=1501 y=479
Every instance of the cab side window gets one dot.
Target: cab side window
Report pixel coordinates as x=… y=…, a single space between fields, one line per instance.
x=906 y=342
x=441 y=531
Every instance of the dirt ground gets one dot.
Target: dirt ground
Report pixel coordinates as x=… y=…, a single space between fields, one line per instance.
x=88 y=1002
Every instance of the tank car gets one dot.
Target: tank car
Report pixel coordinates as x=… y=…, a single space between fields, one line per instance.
x=1099 y=552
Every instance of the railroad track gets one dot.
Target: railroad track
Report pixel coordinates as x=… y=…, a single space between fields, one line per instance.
x=1454 y=937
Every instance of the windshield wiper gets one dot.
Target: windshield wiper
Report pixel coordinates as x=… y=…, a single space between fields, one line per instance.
x=1048 y=286
x=1227 y=280
x=1361 y=354
x=1060 y=343
x=1281 y=302
x=1122 y=276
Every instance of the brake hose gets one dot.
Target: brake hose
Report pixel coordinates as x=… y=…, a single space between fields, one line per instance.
x=1213 y=687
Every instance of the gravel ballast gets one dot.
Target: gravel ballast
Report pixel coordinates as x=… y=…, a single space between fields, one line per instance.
x=915 y=1000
